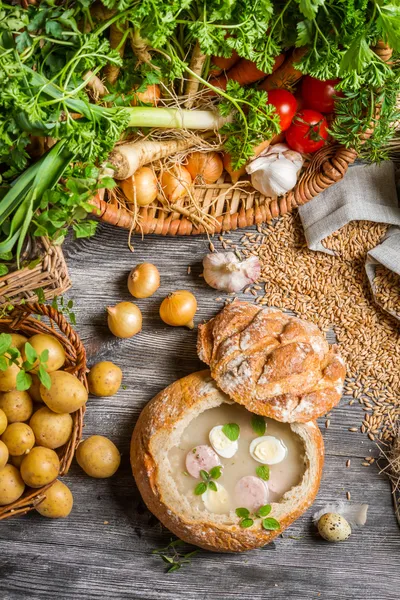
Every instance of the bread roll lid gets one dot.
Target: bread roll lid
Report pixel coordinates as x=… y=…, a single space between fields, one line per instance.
x=273 y=363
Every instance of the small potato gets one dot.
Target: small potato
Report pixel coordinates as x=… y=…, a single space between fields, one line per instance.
x=17 y=405
x=19 y=438
x=4 y=455
x=51 y=429
x=8 y=378
x=34 y=390
x=18 y=341
x=58 y=502
x=3 y=421
x=66 y=393
x=11 y=485
x=104 y=379
x=98 y=457
x=16 y=460
x=41 y=342
x=40 y=467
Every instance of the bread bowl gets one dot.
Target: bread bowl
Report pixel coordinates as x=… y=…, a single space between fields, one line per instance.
x=159 y=430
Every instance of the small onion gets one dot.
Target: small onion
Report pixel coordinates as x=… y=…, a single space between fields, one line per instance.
x=124 y=319
x=176 y=183
x=178 y=309
x=142 y=187
x=150 y=95
x=205 y=166
x=143 y=280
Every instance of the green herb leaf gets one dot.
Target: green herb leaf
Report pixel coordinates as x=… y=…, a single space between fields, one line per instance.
x=5 y=342
x=204 y=475
x=232 y=431
x=3 y=269
x=44 y=357
x=213 y=486
x=263 y=472
x=200 y=488
x=4 y=364
x=243 y=513
x=245 y=523
x=271 y=524
x=24 y=381
x=258 y=424
x=44 y=377
x=216 y=472
x=30 y=353
x=263 y=511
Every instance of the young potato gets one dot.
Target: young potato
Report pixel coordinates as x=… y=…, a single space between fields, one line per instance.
x=34 y=390
x=19 y=438
x=58 y=502
x=8 y=378
x=98 y=457
x=17 y=405
x=41 y=342
x=3 y=421
x=16 y=460
x=104 y=379
x=11 y=485
x=66 y=393
x=18 y=341
x=4 y=455
x=40 y=467
x=51 y=429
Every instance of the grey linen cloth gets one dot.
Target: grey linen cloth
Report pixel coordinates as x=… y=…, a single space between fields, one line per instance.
x=366 y=193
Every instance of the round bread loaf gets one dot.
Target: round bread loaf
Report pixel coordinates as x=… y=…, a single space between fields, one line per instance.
x=160 y=428
x=275 y=364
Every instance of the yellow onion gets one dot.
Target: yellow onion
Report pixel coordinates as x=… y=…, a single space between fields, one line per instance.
x=150 y=95
x=205 y=166
x=142 y=187
x=178 y=309
x=124 y=319
x=176 y=183
x=143 y=280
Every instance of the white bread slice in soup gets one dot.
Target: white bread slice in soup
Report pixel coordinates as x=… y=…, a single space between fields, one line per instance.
x=160 y=427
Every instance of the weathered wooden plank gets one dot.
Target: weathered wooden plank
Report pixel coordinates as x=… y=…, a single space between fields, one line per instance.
x=82 y=557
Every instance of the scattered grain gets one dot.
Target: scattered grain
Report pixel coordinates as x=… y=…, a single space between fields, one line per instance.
x=189 y=270
x=353 y=429
x=348 y=462
x=212 y=247
x=327 y=423
x=348 y=495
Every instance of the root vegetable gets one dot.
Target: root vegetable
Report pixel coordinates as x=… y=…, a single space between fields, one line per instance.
x=150 y=95
x=104 y=379
x=178 y=309
x=117 y=32
x=95 y=85
x=227 y=161
x=192 y=83
x=3 y=421
x=286 y=76
x=98 y=457
x=57 y=503
x=204 y=167
x=144 y=280
x=11 y=485
x=40 y=467
x=244 y=72
x=222 y=63
x=141 y=188
x=176 y=183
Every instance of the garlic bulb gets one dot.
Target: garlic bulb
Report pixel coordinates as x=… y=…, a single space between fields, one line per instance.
x=275 y=171
x=224 y=271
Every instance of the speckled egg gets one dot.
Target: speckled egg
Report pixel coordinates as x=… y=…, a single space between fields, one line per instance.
x=333 y=527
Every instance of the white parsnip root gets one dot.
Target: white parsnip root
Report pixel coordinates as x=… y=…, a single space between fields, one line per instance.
x=192 y=83
x=95 y=85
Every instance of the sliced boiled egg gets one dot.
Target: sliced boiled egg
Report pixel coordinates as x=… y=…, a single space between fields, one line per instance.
x=217 y=502
x=221 y=443
x=268 y=450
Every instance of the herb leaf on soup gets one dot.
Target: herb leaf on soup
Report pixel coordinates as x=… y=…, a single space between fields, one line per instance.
x=232 y=431
x=258 y=424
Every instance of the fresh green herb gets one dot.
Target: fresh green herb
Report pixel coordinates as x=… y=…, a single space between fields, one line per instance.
x=65 y=307
x=208 y=480
x=232 y=431
x=173 y=556
x=263 y=472
x=10 y=355
x=258 y=424
x=247 y=518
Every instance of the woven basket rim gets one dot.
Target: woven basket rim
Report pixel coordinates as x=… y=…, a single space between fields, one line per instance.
x=22 y=320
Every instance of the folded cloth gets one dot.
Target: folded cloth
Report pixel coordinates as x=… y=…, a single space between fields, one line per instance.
x=366 y=193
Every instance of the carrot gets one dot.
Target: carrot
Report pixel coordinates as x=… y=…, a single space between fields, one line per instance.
x=244 y=72
x=192 y=83
x=220 y=63
x=127 y=158
x=151 y=95
x=227 y=160
x=287 y=75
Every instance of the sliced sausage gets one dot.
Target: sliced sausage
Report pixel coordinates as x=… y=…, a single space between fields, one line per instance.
x=201 y=458
x=251 y=493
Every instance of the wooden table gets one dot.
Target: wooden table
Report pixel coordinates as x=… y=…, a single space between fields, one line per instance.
x=103 y=550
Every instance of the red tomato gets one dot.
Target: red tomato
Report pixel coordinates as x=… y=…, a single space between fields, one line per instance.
x=285 y=104
x=320 y=95
x=308 y=132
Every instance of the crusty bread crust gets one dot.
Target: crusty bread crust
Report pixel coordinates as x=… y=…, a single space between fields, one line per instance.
x=160 y=427
x=275 y=364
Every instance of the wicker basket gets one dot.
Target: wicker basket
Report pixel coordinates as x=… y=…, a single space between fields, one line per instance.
x=50 y=275
x=22 y=321
x=241 y=206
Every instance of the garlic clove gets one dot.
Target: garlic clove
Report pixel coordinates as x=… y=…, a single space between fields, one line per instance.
x=224 y=271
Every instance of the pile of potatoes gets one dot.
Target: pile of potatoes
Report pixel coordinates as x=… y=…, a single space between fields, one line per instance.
x=37 y=422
